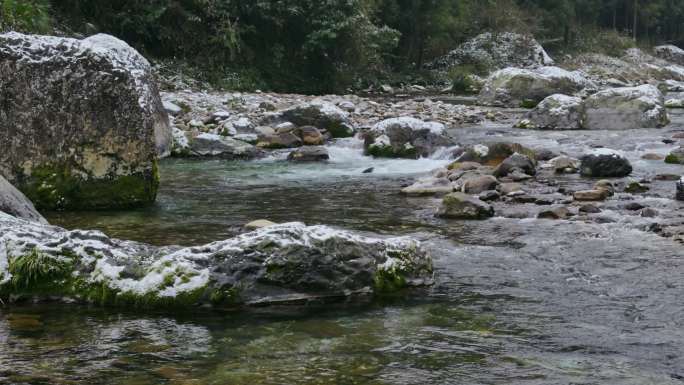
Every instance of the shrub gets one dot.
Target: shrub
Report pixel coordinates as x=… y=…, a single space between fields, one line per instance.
x=30 y=16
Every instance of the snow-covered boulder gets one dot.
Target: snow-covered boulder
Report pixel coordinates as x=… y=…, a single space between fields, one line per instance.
x=557 y=112
x=489 y=52
x=625 y=108
x=82 y=121
x=322 y=115
x=405 y=137
x=515 y=87
x=670 y=53
x=279 y=263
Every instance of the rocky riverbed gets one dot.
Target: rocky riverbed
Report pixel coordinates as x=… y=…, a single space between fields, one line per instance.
x=414 y=240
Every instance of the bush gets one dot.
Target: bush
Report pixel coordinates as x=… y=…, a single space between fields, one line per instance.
x=30 y=16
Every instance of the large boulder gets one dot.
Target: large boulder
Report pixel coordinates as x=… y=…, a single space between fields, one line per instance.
x=81 y=121
x=463 y=206
x=218 y=146
x=487 y=52
x=556 y=112
x=322 y=115
x=516 y=87
x=14 y=203
x=516 y=162
x=405 y=137
x=670 y=53
x=625 y=108
x=278 y=263
x=493 y=154
x=605 y=163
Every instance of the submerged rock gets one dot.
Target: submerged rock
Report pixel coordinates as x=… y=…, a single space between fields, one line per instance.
x=511 y=87
x=279 y=263
x=83 y=123
x=605 y=163
x=463 y=206
x=680 y=189
x=14 y=203
x=625 y=108
x=405 y=137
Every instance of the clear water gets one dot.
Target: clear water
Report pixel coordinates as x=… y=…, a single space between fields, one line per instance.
x=517 y=301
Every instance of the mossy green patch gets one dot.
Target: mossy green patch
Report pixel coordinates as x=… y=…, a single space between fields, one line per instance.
x=57 y=187
x=388 y=281
x=673 y=159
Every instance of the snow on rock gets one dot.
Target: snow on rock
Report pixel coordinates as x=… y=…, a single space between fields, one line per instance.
x=405 y=137
x=625 y=108
x=556 y=112
x=322 y=115
x=514 y=87
x=489 y=52
x=85 y=110
x=670 y=53
x=283 y=262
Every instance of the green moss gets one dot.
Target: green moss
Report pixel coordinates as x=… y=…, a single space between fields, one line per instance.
x=225 y=296
x=528 y=103
x=672 y=159
x=388 y=281
x=338 y=130
x=37 y=271
x=57 y=187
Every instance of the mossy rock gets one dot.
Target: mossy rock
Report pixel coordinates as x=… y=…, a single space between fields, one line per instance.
x=674 y=159
x=59 y=188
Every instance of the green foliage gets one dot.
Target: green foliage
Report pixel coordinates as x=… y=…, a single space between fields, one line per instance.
x=36 y=269
x=463 y=79
x=25 y=16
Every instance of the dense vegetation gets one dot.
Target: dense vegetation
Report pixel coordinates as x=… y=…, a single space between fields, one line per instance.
x=331 y=45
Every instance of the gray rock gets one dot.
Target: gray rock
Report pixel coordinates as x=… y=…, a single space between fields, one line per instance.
x=322 y=115
x=429 y=186
x=309 y=154
x=478 y=184
x=559 y=212
x=680 y=190
x=462 y=206
x=405 y=137
x=604 y=163
x=282 y=140
x=511 y=87
x=172 y=108
x=564 y=164
x=212 y=145
x=625 y=108
x=556 y=112
x=589 y=209
x=670 y=53
x=83 y=123
x=14 y=203
x=515 y=162
x=590 y=195
x=276 y=264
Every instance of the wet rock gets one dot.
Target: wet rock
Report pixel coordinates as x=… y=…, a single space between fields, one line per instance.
x=462 y=206
x=633 y=206
x=322 y=115
x=676 y=156
x=83 y=123
x=545 y=155
x=14 y=203
x=652 y=156
x=605 y=163
x=310 y=135
x=368 y=170
x=488 y=196
x=282 y=140
x=635 y=187
x=590 y=195
x=511 y=87
x=516 y=162
x=279 y=263
x=564 y=165
x=495 y=51
x=429 y=186
x=666 y=177
x=509 y=188
x=309 y=154
x=606 y=186
x=556 y=112
x=680 y=189
x=478 y=184
x=649 y=213
x=212 y=145
x=259 y=224
x=589 y=209
x=674 y=103
x=283 y=128
x=493 y=154
x=405 y=138
x=625 y=108
x=559 y=212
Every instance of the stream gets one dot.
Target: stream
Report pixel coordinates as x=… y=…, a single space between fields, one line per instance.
x=517 y=300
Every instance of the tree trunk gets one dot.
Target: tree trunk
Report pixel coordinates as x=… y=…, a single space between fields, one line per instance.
x=634 y=27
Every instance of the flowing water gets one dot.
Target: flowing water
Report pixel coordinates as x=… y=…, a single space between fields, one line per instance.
x=517 y=301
